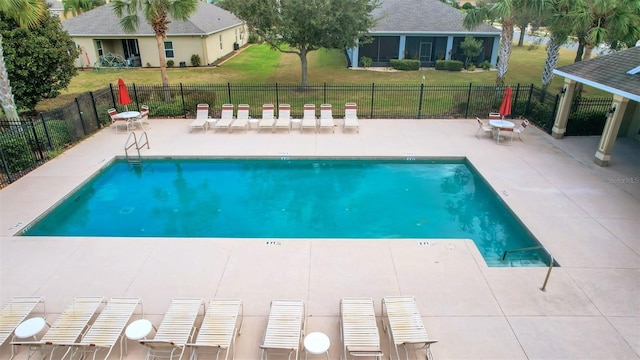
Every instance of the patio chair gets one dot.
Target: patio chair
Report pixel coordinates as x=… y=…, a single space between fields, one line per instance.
x=326 y=117
x=482 y=126
x=117 y=121
x=503 y=132
x=358 y=328
x=108 y=328
x=202 y=117
x=14 y=312
x=226 y=118
x=285 y=328
x=221 y=324
x=143 y=118
x=351 y=117
x=309 y=120
x=242 y=118
x=284 y=117
x=403 y=324
x=520 y=129
x=494 y=116
x=267 y=121
x=176 y=329
x=68 y=327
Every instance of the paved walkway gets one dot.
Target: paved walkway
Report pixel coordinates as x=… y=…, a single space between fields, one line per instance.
x=585 y=215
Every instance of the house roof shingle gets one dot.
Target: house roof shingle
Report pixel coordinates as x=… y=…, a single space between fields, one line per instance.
x=608 y=72
x=423 y=16
x=101 y=21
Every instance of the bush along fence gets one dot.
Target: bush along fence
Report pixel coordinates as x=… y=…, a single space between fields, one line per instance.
x=30 y=141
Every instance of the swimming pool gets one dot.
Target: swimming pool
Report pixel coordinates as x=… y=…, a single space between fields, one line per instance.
x=293 y=198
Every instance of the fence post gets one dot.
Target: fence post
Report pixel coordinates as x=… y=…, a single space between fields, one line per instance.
x=324 y=93
x=46 y=130
x=5 y=165
x=95 y=109
x=229 y=93
x=466 y=111
x=84 y=130
x=526 y=112
x=184 y=107
x=113 y=96
x=373 y=86
x=515 y=98
x=555 y=108
x=420 y=101
x=135 y=95
x=277 y=98
x=35 y=137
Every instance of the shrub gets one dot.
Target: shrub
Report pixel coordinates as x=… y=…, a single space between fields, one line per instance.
x=18 y=154
x=441 y=64
x=148 y=64
x=449 y=65
x=253 y=39
x=486 y=65
x=468 y=6
x=586 y=123
x=404 y=64
x=170 y=63
x=195 y=60
x=471 y=67
x=366 y=61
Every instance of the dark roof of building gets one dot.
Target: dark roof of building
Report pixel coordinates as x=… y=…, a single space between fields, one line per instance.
x=101 y=21
x=423 y=16
x=608 y=72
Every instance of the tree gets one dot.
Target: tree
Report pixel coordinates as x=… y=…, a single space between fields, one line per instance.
x=557 y=21
x=76 y=7
x=506 y=11
x=28 y=14
x=471 y=48
x=156 y=13
x=40 y=61
x=301 y=26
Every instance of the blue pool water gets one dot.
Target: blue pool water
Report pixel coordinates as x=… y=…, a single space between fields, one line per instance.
x=242 y=198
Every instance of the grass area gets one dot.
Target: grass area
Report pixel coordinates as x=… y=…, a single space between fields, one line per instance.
x=260 y=64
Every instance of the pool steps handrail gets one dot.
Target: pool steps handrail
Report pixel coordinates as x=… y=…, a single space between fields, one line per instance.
x=144 y=140
x=539 y=247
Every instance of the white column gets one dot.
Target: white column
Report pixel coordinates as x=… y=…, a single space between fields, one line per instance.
x=401 y=46
x=562 y=115
x=449 y=47
x=610 y=131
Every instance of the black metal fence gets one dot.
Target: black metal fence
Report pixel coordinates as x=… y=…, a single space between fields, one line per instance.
x=30 y=141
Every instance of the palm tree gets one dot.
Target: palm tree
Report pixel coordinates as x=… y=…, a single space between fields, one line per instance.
x=507 y=11
x=558 y=22
x=76 y=7
x=28 y=14
x=156 y=13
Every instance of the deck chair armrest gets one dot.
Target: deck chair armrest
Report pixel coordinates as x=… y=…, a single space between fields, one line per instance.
x=362 y=351
x=159 y=342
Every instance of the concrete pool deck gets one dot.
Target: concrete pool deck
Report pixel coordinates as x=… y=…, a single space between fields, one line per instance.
x=586 y=216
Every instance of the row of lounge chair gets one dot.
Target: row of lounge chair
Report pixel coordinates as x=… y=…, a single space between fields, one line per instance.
x=268 y=121
x=222 y=322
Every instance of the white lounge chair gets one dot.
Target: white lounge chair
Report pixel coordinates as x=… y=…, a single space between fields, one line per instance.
x=143 y=119
x=202 y=115
x=176 y=329
x=284 y=117
x=117 y=121
x=358 y=328
x=402 y=321
x=67 y=328
x=326 y=117
x=15 y=312
x=267 y=121
x=108 y=328
x=520 y=128
x=351 y=117
x=242 y=118
x=226 y=118
x=309 y=120
x=285 y=328
x=221 y=324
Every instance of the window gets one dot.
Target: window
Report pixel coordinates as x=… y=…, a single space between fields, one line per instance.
x=220 y=42
x=99 y=47
x=168 y=49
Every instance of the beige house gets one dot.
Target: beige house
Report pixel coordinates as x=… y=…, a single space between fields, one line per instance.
x=211 y=33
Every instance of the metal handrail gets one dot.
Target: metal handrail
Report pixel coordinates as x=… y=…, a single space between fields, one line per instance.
x=551 y=261
x=128 y=145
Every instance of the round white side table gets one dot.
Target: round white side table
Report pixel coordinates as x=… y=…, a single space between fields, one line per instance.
x=316 y=343
x=138 y=329
x=30 y=328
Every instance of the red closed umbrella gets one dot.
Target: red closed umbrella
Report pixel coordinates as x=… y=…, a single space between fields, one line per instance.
x=505 y=107
x=123 y=94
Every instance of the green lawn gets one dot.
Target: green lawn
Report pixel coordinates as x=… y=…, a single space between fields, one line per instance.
x=260 y=64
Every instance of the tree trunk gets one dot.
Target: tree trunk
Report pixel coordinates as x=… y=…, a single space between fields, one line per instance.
x=580 y=50
x=588 y=49
x=523 y=31
x=303 y=62
x=6 y=96
x=505 y=51
x=163 y=68
x=553 y=54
